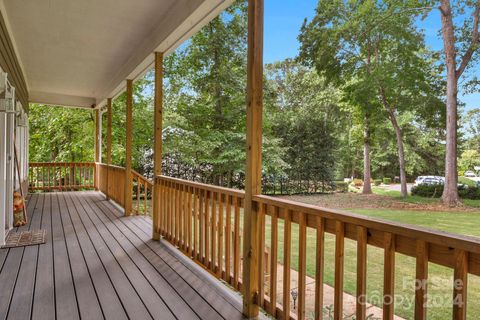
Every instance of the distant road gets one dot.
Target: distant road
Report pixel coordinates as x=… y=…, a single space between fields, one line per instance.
x=397 y=187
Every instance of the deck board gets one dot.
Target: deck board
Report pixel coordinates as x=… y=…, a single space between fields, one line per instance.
x=11 y=269
x=141 y=227
x=21 y=306
x=97 y=264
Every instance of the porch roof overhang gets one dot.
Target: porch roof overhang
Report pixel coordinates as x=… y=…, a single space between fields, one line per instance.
x=79 y=53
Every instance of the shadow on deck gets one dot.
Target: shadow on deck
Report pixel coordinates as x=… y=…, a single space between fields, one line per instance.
x=97 y=264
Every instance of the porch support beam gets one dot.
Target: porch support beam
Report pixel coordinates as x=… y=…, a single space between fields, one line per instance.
x=253 y=172
x=128 y=150
x=97 y=135
x=109 y=141
x=158 y=127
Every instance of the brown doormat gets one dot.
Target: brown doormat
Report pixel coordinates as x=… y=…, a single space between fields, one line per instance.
x=25 y=238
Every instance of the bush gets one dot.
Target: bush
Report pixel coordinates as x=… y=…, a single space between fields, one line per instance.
x=341 y=186
x=377 y=182
x=387 y=180
x=428 y=191
x=468 y=182
x=472 y=193
x=435 y=191
x=357 y=182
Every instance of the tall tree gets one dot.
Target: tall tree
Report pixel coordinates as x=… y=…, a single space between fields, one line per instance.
x=376 y=46
x=464 y=39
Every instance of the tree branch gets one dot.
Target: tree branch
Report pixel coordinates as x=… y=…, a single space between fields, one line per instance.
x=475 y=42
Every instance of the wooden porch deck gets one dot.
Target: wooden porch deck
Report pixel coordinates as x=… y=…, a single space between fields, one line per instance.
x=97 y=264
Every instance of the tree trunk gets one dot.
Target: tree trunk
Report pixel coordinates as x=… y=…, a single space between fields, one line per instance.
x=401 y=154
x=367 y=175
x=450 y=191
x=398 y=134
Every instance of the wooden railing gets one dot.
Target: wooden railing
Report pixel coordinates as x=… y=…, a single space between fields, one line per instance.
x=199 y=218
x=61 y=176
x=111 y=181
x=142 y=192
x=204 y=221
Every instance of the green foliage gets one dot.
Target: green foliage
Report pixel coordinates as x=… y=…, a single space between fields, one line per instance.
x=468 y=160
x=61 y=134
x=428 y=191
x=466 y=181
x=304 y=116
x=341 y=186
x=377 y=182
x=387 y=180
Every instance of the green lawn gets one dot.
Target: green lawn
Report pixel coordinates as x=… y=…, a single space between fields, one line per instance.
x=440 y=289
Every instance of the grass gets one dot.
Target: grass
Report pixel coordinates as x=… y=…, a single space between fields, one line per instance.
x=440 y=288
x=421 y=200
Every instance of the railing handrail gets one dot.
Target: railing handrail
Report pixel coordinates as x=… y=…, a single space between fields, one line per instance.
x=467 y=243
x=39 y=164
x=229 y=191
x=111 y=166
x=142 y=177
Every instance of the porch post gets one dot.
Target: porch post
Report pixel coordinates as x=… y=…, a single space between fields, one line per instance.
x=157 y=153
x=128 y=150
x=253 y=172
x=97 y=135
x=97 y=145
x=109 y=142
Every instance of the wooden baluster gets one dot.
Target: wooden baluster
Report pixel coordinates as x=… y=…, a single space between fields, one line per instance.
x=389 y=277
x=361 y=272
x=228 y=232
x=189 y=215
x=137 y=180
x=80 y=181
x=302 y=265
x=164 y=205
x=261 y=254
x=178 y=225
x=202 y=224
x=460 y=276
x=421 y=281
x=273 y=261
x=220 y=236
x=236 y=255
x=169 y=210
x=213 y=232
x=287 y=243
x=181 y=240
x=319 y=267
x=196 y=200
x=339 y=267
x=145 y=200
x=206 y=211
x=49 y=180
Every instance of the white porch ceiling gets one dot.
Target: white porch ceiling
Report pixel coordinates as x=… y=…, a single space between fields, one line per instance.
x=79 y=52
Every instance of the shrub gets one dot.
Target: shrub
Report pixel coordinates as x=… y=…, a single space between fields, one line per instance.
x=468 y=182
x=435 y=191
x=377 y=182
x=472 y=193
x=341 y=186
x=428 y=191
x=357 y=182
x=387 y=180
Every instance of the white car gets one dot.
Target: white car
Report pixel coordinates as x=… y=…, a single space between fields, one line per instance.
x=429 y=180
x=470 y=174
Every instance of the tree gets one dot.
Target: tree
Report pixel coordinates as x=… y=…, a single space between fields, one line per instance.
x=456 y=39
x=306 y=117
x=59 y=134
x=375 y=48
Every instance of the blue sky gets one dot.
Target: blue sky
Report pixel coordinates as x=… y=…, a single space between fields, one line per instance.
x=283 y=20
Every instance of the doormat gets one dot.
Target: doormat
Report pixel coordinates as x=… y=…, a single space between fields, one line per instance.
x=25 y=238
